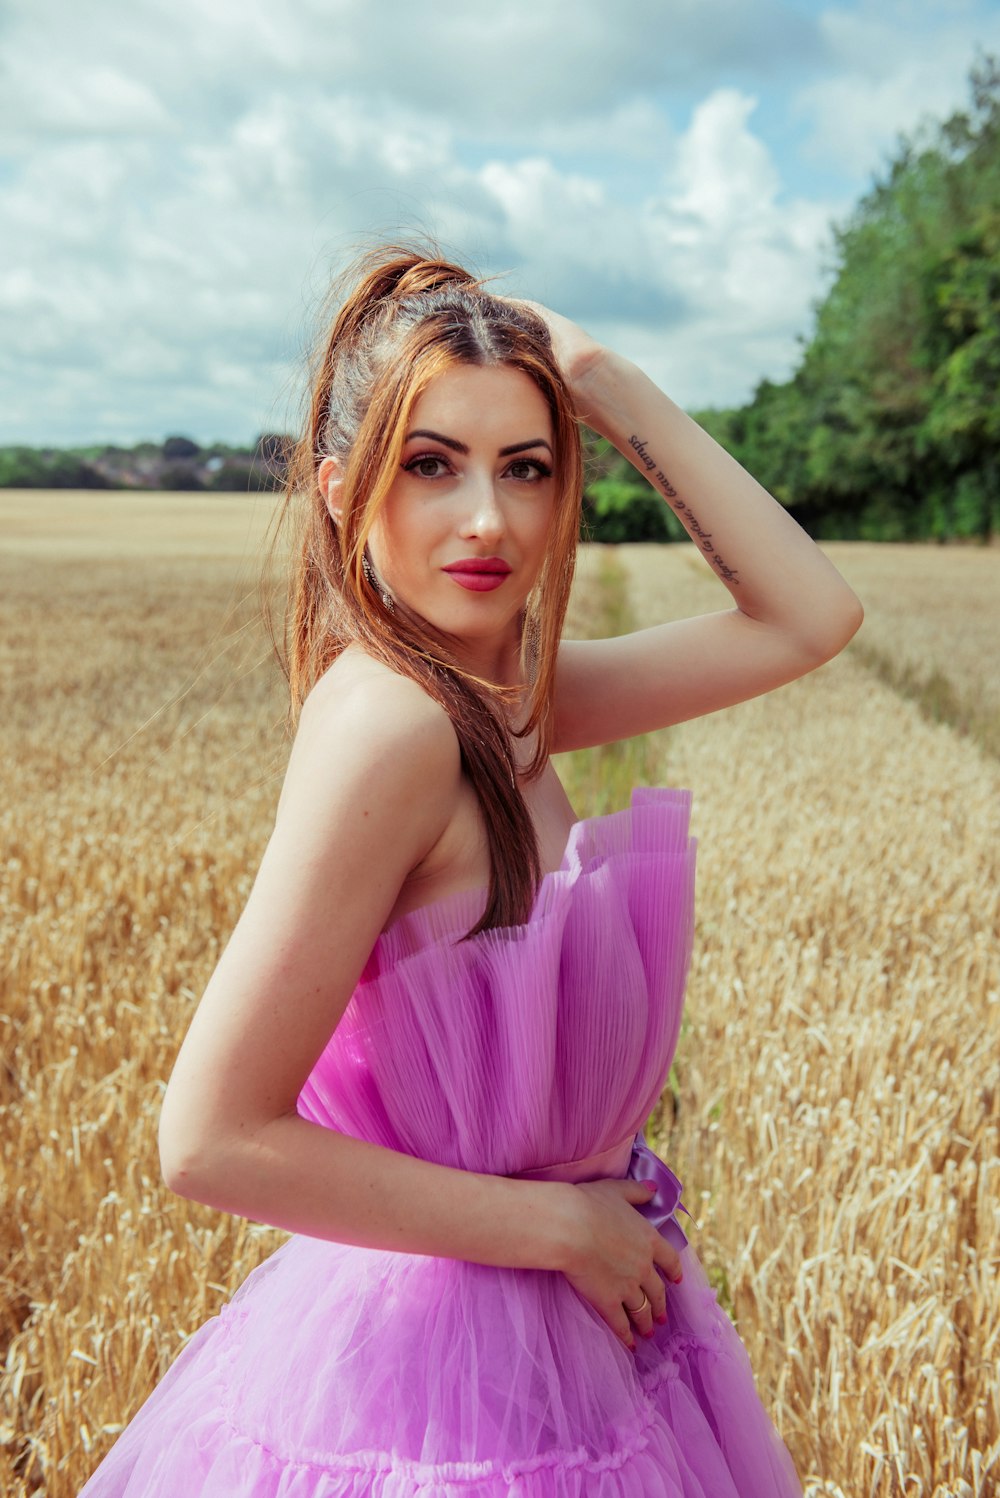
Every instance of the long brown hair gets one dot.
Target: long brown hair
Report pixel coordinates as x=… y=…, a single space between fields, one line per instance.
x=405 y=317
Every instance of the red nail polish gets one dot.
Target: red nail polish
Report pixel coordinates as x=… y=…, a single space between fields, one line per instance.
x=662 y=1319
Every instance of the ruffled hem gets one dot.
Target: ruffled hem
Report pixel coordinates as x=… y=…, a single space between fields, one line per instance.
x=696 y=1430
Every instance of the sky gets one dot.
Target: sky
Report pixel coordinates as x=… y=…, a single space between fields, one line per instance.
x=179 y=181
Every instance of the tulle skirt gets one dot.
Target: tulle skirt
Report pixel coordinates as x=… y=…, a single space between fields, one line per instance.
x=337 y=1372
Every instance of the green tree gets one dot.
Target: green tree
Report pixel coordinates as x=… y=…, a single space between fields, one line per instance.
x=889 y=428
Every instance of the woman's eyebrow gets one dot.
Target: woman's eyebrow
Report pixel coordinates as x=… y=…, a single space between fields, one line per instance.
x=452 y=442
x=520 y=447
x=460 y=447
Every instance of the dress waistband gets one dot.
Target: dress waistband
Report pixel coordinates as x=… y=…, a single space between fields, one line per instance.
x=610 y=1162
x=632 y=1157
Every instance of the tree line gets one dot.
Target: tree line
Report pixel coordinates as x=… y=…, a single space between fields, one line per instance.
x=178 y=463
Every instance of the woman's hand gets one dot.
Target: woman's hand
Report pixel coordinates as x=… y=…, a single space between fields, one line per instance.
x=575 y=351
x=615 y=1255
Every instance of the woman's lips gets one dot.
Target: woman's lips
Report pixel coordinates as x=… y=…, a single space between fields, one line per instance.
x=479 y=576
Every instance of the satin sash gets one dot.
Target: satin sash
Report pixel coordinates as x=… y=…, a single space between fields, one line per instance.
x=632 y=1159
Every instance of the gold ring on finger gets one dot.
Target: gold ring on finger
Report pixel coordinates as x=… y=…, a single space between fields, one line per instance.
x=638 y=1310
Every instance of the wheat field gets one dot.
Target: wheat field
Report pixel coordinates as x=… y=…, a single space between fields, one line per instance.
x=834 y=1106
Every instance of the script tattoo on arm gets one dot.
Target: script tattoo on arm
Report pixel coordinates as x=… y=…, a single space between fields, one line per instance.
x=690 y=521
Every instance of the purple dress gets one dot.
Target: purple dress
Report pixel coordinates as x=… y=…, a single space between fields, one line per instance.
x=337 y=1372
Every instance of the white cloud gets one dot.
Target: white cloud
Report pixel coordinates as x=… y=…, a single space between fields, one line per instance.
x=506 y=70
x=175 y=187
x=895 y=65
x=205 y=277
x=634 y=133
x=744 y=260
x=724 y=173
x=102 y=101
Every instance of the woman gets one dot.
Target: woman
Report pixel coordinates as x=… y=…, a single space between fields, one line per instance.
x=449 y=1005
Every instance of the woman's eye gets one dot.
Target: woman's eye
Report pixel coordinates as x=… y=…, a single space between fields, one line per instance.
x=429 y=466
x=529 y=469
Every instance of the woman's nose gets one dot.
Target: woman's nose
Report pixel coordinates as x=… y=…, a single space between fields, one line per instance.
x=485 y=519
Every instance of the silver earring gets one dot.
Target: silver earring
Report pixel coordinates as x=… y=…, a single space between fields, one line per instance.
x=388 y=602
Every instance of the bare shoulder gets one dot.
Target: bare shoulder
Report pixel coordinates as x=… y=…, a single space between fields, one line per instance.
x=358 y=693
x=374 y=739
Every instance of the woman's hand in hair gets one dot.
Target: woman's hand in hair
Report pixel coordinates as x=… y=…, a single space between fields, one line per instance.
x=576 y=352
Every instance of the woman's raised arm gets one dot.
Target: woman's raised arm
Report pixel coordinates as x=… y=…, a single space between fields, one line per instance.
x=793 y=610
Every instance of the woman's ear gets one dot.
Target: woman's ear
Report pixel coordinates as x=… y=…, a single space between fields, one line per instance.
x=330 y=481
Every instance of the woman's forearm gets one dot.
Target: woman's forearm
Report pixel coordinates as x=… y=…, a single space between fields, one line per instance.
x=774 y=572
x=307 y=1179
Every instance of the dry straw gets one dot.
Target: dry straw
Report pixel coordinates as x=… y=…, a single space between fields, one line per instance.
x=834 y=1106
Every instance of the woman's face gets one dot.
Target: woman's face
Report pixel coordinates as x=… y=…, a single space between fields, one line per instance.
x=462 y=534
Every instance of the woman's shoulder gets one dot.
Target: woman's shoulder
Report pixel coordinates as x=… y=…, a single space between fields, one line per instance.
x=358 y=694
x=371 y=738
x=363 y=724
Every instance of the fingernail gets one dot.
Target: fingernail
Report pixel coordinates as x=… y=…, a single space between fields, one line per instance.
x=649 y=1333
x=662 y=1319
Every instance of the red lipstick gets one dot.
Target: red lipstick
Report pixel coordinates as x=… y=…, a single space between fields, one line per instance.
x=479 y=574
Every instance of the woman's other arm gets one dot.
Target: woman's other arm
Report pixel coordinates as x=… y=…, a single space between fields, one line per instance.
x=371 y=786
